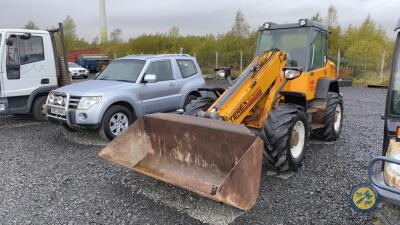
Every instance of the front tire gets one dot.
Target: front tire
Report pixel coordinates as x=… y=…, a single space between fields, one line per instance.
x=333 y=118
x=115 y=121
x=285 y=135
x=38 y=110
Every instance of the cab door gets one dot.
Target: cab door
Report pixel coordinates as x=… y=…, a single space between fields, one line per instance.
x=317 y=61
x=25 y=66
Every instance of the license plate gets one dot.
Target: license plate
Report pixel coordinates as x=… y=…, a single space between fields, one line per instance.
x=57 y=111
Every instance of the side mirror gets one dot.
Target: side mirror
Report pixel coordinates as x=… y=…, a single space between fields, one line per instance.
x=292 y=73
x=150 y=78
x=223 y=72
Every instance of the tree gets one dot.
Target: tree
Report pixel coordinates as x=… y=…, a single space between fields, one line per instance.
x=331 y=18
x=95 y=40
x=240 y=27
x=174 y=32
x=31 y=25
x=115 y=35
x=317 y=17
x=69 y=32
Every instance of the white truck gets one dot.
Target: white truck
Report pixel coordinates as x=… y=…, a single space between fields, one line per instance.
x=29 y=69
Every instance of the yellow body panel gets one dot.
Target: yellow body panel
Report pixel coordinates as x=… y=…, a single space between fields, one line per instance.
x=307 y=82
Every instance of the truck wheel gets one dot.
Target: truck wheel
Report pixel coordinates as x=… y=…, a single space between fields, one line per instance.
x=333 y=118
x=115 y=121
x=197 y=105
x=38 y=110
x=285 y=135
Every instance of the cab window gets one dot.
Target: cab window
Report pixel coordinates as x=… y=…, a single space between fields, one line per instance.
x=317 y=50
x=162 y=69
x=30 y=49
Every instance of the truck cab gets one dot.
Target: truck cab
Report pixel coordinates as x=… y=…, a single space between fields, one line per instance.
x=28 y=71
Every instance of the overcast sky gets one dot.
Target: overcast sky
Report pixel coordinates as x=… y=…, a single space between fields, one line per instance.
x=136 y=17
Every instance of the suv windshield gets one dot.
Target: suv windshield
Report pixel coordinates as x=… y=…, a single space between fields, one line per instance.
x=122 y=70
x=396 y=81
x=292 y=41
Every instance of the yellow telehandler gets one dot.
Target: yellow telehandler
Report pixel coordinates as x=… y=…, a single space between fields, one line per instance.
x=268 y=112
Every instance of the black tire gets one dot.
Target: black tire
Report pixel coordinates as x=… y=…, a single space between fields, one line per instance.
x=37 y=110
x=197 y=105
x=105 y=130
x=188 y=99
x=328 y=132
x=277 y=137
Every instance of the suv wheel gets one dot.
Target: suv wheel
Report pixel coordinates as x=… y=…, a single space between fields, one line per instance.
x=115 y=121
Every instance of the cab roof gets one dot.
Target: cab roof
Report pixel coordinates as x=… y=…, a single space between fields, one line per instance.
x=24 y=31
x=301 y=23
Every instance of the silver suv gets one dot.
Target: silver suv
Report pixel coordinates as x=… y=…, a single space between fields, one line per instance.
x=127 y=89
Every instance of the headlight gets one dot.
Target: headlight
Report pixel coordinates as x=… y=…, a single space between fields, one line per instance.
x=50 y=99
x=87 y=102
x=395 y=168
x=292 y=74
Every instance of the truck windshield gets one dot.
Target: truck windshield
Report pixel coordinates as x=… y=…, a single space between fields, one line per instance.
x=127 y=70
x=396 y=81
x=292 y=41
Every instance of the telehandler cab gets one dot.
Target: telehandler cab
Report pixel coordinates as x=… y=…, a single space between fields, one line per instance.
x=288 y=90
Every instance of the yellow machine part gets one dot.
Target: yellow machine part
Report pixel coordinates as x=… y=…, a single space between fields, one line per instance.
x=392 y=179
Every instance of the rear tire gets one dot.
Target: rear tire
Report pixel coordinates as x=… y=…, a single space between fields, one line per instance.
x=197 y=105
x=38 y=110
x=333 y=118
x=285 y=135
x=115 y=120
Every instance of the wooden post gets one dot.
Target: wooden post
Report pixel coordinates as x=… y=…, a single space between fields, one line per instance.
x=216 y=59
x=338 y=64
x=382 y=66
x=241 y=61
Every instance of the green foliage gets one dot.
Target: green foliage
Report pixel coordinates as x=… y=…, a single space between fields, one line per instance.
x=361 y=46
x=31 y=25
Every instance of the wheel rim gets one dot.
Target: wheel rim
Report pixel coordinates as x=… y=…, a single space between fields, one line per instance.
x=43 y=110
x=118 y=123
x=338 y=118
x=297 y=139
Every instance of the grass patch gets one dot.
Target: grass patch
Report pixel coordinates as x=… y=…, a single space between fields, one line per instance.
x=370 y=78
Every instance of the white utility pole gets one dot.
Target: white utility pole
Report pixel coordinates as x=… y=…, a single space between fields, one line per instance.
x=103 y=22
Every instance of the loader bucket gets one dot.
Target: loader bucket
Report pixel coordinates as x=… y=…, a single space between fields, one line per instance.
x=218 y=160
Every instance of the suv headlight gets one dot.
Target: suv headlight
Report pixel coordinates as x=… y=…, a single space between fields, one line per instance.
x=87 y=102
x=50 y=99
x=394 y=167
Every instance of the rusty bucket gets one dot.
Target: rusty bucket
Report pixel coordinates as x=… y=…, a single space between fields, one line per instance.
x=216 y=159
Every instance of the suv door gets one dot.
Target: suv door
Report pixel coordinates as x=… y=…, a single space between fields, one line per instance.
x=26 y=68
x=159 y=96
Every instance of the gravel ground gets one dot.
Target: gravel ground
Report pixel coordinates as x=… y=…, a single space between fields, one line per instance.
x=50 y=176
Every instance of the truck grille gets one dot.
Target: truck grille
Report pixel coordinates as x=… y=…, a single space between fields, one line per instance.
x=73 y=102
